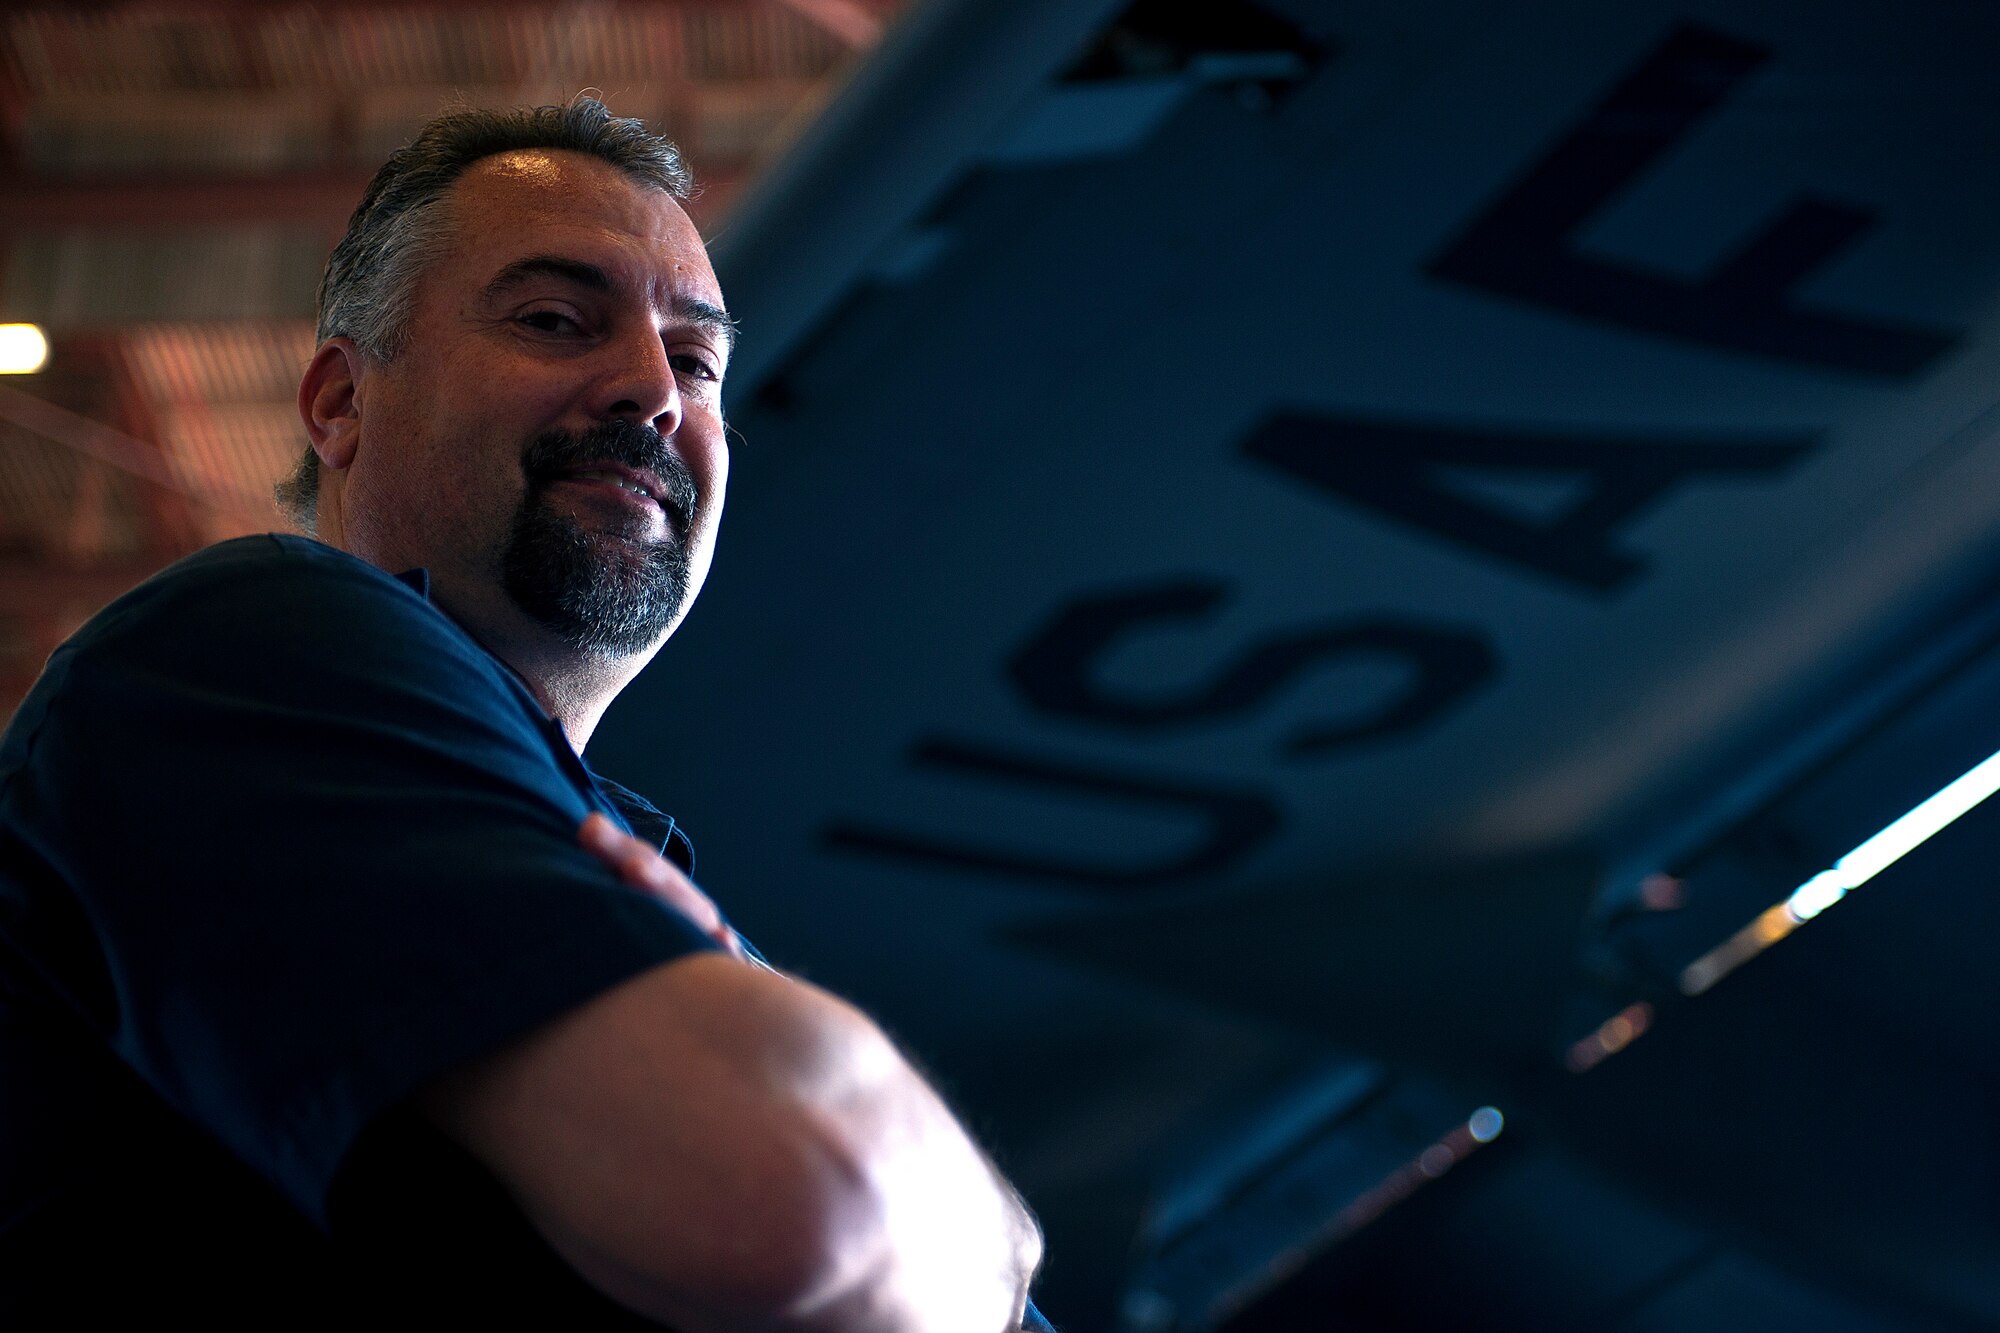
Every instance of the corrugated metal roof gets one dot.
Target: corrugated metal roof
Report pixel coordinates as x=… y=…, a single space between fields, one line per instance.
x=104 y=279
x=224 y=398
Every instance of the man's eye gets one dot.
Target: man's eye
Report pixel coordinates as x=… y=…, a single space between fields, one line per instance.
x=688 y=363
x=548 y=321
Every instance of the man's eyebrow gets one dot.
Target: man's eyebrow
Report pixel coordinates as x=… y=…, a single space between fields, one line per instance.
x=549 y=266
x=706 y=315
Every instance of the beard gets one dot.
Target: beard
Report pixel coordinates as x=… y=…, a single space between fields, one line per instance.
x=602 y=592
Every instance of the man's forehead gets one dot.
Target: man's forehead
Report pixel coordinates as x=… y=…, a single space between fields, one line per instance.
x=528 y=165
x=529 y=201
x=511 y=193
x=540 y=176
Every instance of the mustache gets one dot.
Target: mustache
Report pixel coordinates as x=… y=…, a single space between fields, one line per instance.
x=626 y=443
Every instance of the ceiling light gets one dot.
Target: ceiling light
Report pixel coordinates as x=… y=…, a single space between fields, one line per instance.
x=24 y=349
x=1889 y=846
x=1871 y=858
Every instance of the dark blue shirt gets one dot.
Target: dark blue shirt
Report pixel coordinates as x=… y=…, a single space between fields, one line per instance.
x=279 y=842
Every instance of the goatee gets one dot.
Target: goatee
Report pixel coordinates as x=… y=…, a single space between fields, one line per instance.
x=605 y=593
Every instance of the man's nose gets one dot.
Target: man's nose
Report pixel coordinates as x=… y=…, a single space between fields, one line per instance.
x=640 y=384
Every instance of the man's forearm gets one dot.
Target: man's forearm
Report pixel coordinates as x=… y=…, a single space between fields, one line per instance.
x=721 y=1148
x=898 y=1281
x=949 y=1243
x=953 y=1229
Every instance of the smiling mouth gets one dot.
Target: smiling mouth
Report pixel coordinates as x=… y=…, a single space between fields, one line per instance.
x=624 y=481
x=616 y=465
x=640 y=494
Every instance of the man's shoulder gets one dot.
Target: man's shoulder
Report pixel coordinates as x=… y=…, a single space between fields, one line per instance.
x=269 y=569
x=272 y=552
x=284 y=619
x=273 y=597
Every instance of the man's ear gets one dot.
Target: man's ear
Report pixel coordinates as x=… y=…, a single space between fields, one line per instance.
x=330 y=402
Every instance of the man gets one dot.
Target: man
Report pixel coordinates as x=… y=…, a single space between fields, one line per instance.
x=329 y=989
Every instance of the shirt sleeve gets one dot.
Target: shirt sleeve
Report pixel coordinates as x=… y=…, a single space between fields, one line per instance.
x=299 y=846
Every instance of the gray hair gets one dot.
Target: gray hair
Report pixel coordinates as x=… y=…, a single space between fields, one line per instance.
x=401 y=226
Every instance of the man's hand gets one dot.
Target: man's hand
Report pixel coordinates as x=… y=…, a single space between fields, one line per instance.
x=642 y=867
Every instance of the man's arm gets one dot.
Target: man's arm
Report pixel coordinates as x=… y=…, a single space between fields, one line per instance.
x=860 y=1171
x=720 y=1147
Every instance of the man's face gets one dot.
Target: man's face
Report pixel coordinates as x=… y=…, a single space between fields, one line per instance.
x=549 y=440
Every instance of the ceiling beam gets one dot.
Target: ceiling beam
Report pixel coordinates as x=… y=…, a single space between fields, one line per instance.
x=225 y=9
x=149 y=203
x=324 y=199
x=141 y=458
x=852 y=22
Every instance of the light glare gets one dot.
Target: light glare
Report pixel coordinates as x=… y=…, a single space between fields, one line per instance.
x=1817 y=894
x=1613 y=1035
x=24 y=349
x=1851 y=871
x=1895 y=842
x=1485 y=1124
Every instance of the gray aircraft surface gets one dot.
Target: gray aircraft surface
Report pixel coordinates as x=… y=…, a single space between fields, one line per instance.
x=1323 y=606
